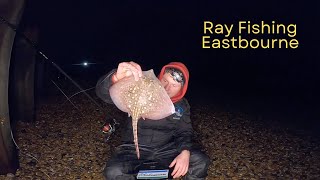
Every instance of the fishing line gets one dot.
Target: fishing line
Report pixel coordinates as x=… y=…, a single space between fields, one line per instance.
x=34 y=45
x=68 y=98
x=64 y=94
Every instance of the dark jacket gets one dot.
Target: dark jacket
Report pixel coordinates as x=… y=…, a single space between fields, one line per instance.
x=157 y=133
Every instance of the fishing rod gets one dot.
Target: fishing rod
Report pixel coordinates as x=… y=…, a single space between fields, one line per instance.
x=34 y=45
x=110 y=123
x=108 y=128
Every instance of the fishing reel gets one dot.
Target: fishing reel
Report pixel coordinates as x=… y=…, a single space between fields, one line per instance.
x=109 y=128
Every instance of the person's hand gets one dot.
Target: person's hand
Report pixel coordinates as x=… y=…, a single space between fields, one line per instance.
x=126 y=69
x=181 y=164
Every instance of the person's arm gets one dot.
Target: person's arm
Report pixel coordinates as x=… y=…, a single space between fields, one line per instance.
x=183 y=139
x=103 y=85
x=184 y=132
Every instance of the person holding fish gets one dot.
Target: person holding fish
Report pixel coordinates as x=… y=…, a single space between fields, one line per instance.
x=163 y=143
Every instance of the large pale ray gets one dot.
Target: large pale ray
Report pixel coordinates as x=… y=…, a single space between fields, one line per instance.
x=144 y=98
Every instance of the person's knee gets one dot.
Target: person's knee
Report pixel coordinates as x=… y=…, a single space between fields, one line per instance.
x=202 y=161
x=116 y=172
x=199 y=163
x=111 y=172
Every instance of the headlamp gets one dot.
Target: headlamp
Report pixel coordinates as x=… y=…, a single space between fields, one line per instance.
x=176 y=74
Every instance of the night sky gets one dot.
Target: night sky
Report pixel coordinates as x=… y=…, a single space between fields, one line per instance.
x=155 y=33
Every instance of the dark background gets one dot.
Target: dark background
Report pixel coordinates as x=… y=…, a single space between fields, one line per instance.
x=280 y=84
